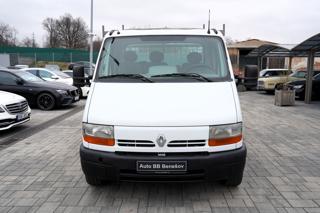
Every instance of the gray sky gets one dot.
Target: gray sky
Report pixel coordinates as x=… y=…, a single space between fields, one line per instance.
x=282 y=21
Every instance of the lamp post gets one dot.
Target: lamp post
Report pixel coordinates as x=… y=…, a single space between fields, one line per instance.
x=91 y=36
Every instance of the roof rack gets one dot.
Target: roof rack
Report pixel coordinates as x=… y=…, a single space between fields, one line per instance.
x=112 y=31
x=164 y=28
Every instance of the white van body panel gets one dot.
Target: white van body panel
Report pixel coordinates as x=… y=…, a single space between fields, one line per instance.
x=162 y=104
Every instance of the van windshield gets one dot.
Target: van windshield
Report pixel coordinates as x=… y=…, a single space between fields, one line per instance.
x=163 y=59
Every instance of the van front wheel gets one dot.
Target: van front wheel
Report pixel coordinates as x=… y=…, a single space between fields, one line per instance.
x=93 y=181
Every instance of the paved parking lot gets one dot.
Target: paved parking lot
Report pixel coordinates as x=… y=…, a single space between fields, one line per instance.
x=39 y=121
x=42 y=173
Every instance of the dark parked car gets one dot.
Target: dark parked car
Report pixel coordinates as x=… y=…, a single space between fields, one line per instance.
x=300 y=85
x=87 y=68
x=43 y=94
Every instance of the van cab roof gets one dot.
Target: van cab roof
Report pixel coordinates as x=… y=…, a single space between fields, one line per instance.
x=162 y=31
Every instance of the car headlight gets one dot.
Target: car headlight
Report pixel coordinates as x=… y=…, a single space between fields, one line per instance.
x=98 y=134
x=62 y=92
x=225 y=134
x=297 y=86
x=1 y=110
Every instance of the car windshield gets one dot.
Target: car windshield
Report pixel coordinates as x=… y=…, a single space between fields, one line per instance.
x=60 y=74
x=272 y=73
x=169 y=58
x=317 y=77
x=298 y=74
x=28 y=76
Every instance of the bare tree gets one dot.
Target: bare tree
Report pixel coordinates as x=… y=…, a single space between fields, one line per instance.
x=230 y=41
x=50 y=25
x=72 y=32
x=29 y=42
x=66 y=32
x=97 y=44
x=7 y=35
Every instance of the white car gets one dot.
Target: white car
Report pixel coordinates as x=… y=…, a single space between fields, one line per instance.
x=163 y=106
x=14 y=110
x=84 y=90
x=50 y=75
x=21 y=66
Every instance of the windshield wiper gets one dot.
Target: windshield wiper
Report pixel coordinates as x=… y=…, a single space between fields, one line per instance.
x=115 y=60
x=190 y=75
x=134 y=76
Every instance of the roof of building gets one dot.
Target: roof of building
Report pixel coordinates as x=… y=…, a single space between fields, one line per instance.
x=250 y=44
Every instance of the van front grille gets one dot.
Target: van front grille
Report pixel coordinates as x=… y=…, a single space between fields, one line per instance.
x=17 y=107
x=135 y=143
x=187 y=143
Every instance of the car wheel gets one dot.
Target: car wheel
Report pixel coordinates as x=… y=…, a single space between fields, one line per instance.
x=93 y=181
x=80 y=92
x=46 y=101
x=301 y=96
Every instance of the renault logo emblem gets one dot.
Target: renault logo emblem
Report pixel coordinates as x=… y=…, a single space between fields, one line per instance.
x=161 y=140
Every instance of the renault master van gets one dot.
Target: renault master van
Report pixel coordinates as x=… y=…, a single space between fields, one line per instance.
x=163 y=106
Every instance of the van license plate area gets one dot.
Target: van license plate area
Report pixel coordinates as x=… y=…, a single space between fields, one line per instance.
x=161 y=166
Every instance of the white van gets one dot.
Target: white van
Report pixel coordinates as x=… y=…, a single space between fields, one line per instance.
x=163 y=106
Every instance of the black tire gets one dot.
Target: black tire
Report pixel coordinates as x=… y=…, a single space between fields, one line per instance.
x=233 y=181
x=46 y=101
x=93 y=181
x=301 y=96
x=80 y=92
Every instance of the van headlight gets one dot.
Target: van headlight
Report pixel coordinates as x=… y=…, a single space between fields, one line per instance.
x=225 y=134
x=98 y=134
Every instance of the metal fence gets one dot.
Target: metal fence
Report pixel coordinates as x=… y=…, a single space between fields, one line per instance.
x=31 y=56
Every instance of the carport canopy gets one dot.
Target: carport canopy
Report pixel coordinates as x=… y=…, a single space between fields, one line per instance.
x=309 y=48
x=270 y=50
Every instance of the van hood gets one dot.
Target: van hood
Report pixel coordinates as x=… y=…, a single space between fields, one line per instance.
x=161 y=104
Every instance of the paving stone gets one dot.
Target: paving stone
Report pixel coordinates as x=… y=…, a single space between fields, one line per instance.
x=16 y=209
x=48 y=207
x=201 y=206
x=302 y=203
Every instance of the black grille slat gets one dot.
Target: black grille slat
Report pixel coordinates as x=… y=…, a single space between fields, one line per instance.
x=17 y=107
x=136 y=143
x=187 y=143
x=176 y=143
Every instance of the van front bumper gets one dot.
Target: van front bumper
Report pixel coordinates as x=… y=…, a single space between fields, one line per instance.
x=112 y=166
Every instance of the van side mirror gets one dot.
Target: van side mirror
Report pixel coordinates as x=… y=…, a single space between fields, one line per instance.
x=79 y=79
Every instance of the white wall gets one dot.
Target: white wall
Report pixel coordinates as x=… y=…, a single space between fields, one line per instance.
x=4 y=60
